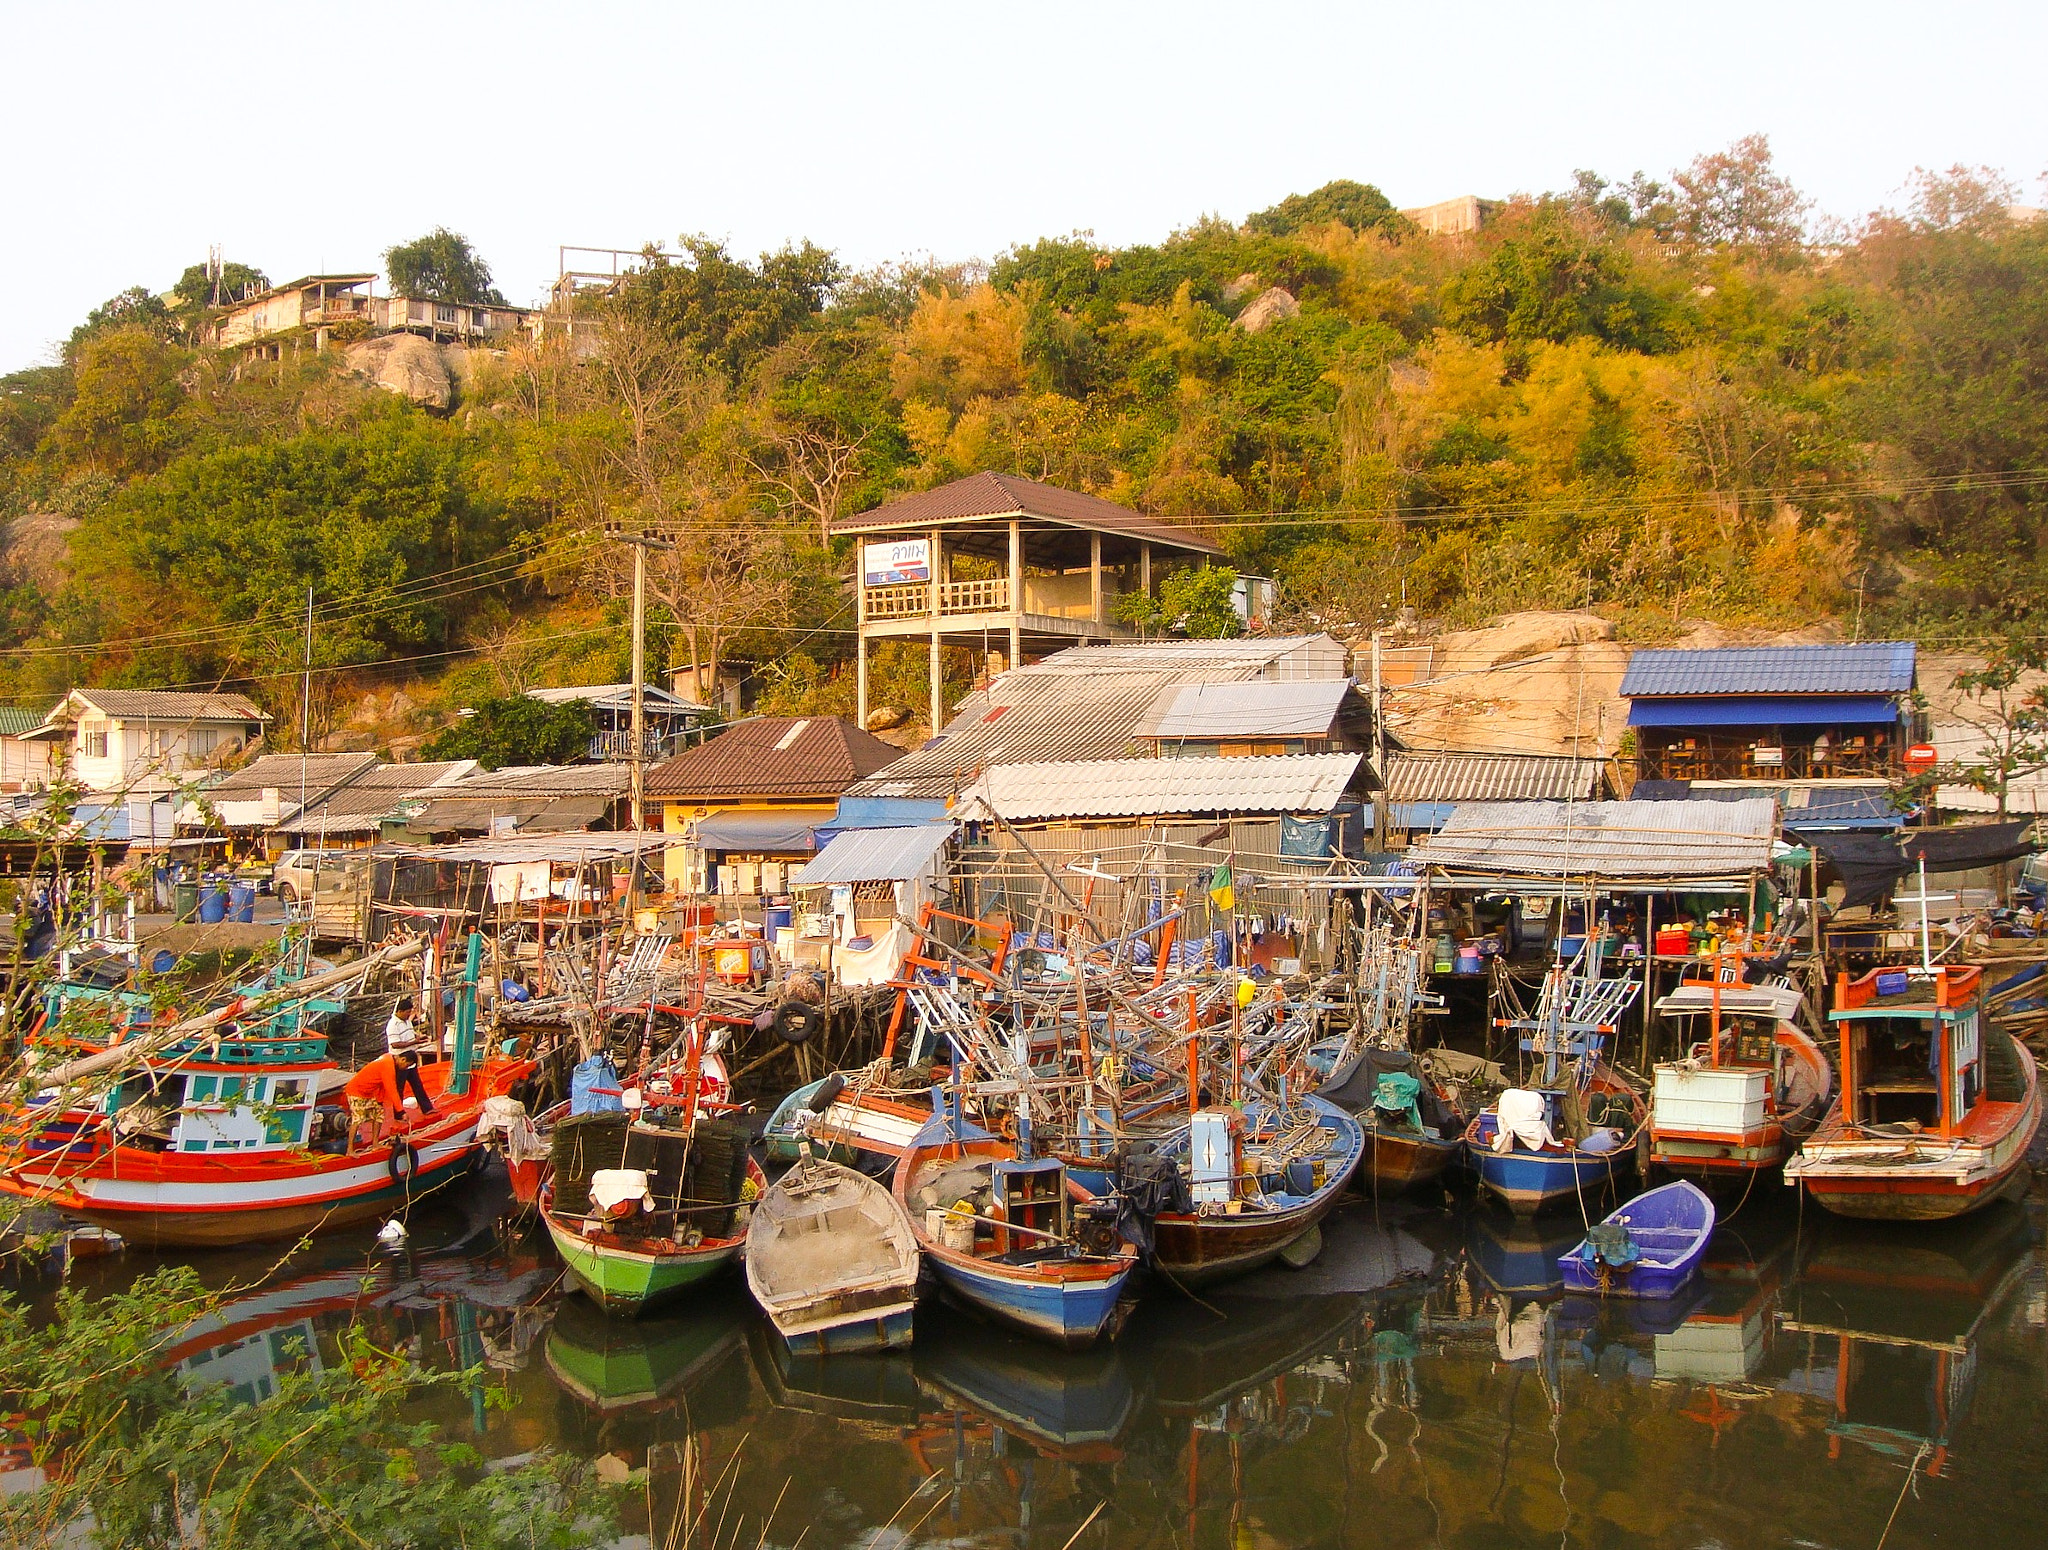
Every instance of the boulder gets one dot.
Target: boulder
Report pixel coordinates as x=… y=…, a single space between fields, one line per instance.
x=1241 y=287
x=36 y=547
x=404 y=364
x=1267 y=308
x=886 y=718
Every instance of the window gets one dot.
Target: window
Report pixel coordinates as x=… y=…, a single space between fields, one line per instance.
x=444 y=314
x=480 y=319
x=92 y=744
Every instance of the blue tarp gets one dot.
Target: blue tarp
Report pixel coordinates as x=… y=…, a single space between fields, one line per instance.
x=886 y=813
x=1766 y=710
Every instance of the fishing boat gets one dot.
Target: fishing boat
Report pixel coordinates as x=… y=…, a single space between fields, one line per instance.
x=1572 y=1130
x=1746 y=1094
x=1938 y=1103
x=832 y=1260
x=1260 y=1179
x=1411 y=1134
x=228 y=1127
x=1649 y=1247
x=1012 y=1237
x=633 y=1237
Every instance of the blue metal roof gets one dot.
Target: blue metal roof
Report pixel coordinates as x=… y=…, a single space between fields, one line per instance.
x=1765 y=710
x=1873 y=667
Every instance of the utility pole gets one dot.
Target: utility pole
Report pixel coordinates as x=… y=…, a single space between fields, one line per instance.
x=641 y=543
x=1379 y=749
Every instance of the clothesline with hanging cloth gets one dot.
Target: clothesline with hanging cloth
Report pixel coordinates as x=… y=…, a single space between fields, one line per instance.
x=1871 y=864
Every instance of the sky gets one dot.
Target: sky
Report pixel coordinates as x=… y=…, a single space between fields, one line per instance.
x=309 y=138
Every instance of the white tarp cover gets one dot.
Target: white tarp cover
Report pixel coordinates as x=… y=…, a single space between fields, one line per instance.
x=1650 y=841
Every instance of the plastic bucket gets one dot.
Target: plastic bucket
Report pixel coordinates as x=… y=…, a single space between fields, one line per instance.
x=1468 y=960
x=242 y=903
x=213 y=904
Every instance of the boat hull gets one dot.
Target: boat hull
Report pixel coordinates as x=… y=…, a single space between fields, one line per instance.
x=1529 y=1182
x=627 y=1283
x=1394 y=1161
x=1068 y=1310
x=884 y=1327
x=833 y=1261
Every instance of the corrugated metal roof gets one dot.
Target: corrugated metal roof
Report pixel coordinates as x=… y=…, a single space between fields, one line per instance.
x=618 y=697
x=1086 y=704
x=555 y=780
x=1616 y=841
x=875 y=855
x=14 y=720
x=1141 y=788
x=164 y=705
x=507 y=850
x=1430 y=778
x=1006 y=495
x=778 y=756
x=282 y=772
x=381 y=792
x=1872 y=667
x=1864 y=805
x=1259 y=708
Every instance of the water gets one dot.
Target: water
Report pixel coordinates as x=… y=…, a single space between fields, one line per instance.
x=1422 y=1384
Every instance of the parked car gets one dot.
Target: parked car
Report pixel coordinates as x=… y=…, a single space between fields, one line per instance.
x=299 y=874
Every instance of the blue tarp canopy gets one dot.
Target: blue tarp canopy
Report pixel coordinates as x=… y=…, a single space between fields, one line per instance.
x=766 y=831
x=1765 y=710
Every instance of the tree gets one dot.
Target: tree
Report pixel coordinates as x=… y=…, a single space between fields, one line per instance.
x=135 y=308
x=441 y=266
x=1555 y=276
x=1358 y=205
x=1737 y=199
x=199 y=287
x=517 y=729
x=725 y=309
x=126 y=414
x=1197 y=602
x=2006 y=703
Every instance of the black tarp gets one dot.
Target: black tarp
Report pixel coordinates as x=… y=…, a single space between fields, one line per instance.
x=1869 y=864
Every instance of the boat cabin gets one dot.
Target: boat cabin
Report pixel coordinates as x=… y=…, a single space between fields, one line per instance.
x=1918 y=1053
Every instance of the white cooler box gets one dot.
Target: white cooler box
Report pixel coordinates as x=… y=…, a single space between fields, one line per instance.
x=1723 y=1101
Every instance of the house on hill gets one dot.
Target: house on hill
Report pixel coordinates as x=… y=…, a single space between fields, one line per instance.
x=316 y=305
x=1772 y=713
x=668 y=718
x=131 y=739
x=747 y=803
x=995 y=560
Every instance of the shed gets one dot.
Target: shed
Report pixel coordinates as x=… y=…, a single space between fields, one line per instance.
x=858 y=890
x=1424 y=789
x=1655 y=843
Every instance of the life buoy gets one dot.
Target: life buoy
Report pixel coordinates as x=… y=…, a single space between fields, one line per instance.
x=404 y=1162
x=797 y=1021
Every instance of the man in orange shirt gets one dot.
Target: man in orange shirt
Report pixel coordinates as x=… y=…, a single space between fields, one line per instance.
x=373 y=1098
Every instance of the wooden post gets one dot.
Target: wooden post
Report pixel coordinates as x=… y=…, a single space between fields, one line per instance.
x=1649 y=970
x=938 y=683
x=1095 y=582
x=1016 y=594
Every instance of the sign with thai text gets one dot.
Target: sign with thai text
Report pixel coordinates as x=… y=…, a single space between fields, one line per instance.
x=897 y=562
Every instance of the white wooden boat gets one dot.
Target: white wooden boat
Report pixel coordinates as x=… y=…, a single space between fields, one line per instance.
x=832 y=1260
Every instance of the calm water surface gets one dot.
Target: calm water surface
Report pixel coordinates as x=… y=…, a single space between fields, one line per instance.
x=1423 y=1384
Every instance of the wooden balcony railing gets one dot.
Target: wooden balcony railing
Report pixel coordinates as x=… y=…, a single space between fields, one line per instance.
x=914 y=600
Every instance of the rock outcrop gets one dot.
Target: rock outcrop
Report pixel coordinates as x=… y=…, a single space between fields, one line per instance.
x=1267 y=308
x=407 y=365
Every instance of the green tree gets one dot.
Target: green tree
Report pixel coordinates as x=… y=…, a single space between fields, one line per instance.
x=1358 y=205
x=126 y=414
x=727 y=310
x=1555 y=276
x=441 y=266
x=2005 y=702
x=196 y=288
x=1195 y=602
x=517 y=729
x=136 y=308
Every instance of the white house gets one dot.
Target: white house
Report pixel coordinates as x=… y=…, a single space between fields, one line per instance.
x=128 y=739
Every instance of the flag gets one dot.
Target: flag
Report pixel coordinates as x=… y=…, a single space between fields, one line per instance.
x=1221 y=893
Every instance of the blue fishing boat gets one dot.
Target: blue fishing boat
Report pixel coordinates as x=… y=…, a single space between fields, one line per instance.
x=1011 y=1237
x=1572 y=1129
x=1649 y=1247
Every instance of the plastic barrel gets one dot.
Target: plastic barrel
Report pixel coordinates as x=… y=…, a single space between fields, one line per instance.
x=213 y=904
x=242 y=903
x=780 y=918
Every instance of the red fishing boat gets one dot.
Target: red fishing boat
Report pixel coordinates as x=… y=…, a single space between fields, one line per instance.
x=1938 y=1102
x=230 y=1127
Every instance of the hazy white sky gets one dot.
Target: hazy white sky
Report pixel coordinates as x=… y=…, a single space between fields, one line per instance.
x=307 y=138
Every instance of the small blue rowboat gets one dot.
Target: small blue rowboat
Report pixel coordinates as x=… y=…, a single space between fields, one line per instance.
x=1649 y=1247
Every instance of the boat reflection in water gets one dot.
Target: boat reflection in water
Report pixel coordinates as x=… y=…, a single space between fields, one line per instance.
x=1905 y=1312
x=614 y=1365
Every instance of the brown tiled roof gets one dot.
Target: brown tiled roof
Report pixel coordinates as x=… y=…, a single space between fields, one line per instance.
x=1006 y=495
x=779 y=756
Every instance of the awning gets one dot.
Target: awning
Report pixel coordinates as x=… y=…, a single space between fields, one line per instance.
x=874 y=856
x=766 y=831
x=1870 y=864
x=1765 y=710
